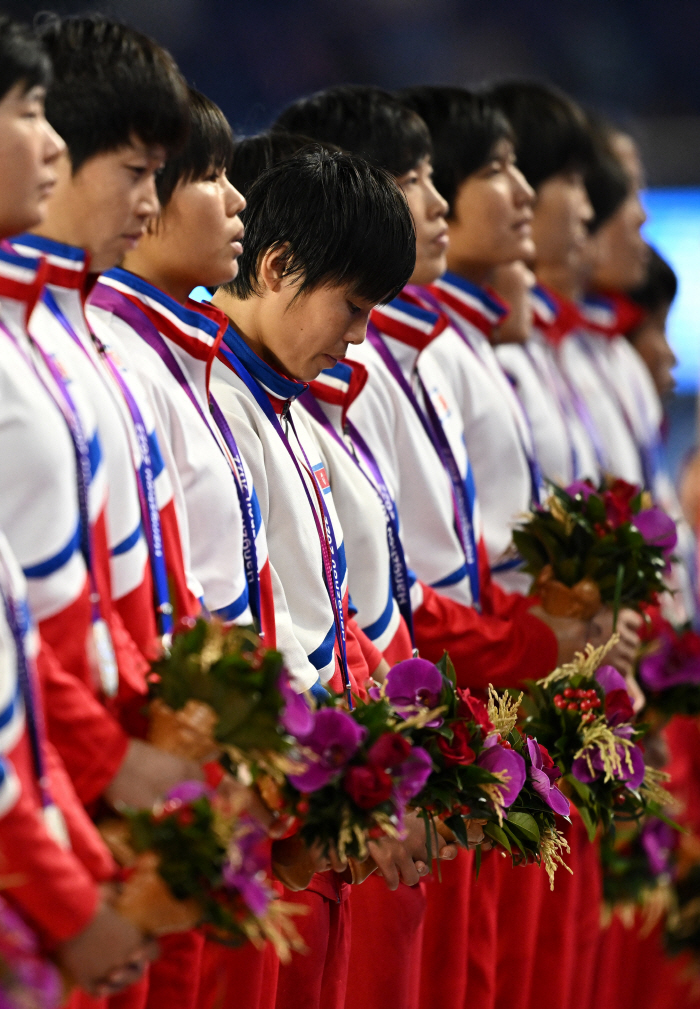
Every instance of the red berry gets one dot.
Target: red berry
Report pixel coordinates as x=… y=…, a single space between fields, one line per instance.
x=557 y=698
x=302 y=807
x=573 y=706
x=592 y=694
x=585 y=705
x=569 y=692
x=596 y=703
x=560 y=702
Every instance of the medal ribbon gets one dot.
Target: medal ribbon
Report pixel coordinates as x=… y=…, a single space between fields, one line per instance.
x=124 y=308
x=367 y=464
x=324 y=526
x=463 y=491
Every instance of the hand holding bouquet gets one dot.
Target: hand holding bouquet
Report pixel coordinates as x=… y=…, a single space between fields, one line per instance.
x=589 y=547
x=583 y=714
x=196 y=858
x=482 y=768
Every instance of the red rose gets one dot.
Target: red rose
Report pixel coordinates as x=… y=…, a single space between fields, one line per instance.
x=472 y=708
x=618 y=707
x=458 y=751
x=368 y=786
x=390 y=750
x=546 y=759
x=617 y=502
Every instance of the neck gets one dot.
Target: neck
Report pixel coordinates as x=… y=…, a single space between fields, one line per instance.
x=561 y=280
x=139 y=263
x=475 y=273
x=244 y=317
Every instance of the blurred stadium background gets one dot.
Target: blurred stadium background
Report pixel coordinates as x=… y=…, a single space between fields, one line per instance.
x=634 y=60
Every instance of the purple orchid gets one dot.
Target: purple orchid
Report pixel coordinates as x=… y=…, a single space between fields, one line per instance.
x=610 y=679
x=669 y=666
x=496 y=759
x=633 y=779
x=658 y=840
x=189 y=791
x=657 y=528
x=245 y=869
x=334 y=739
x=543 y=779
x=580 y=487
x=412 y=775
x=412 y=685
x=297 y=717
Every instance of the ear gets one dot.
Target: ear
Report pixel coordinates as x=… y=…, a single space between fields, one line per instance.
x=271 y=269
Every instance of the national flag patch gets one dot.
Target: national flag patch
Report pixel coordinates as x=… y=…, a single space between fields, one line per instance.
x=322 y=478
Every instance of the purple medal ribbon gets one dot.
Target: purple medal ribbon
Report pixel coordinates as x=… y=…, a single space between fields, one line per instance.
x=325 y=530
x=463 y=491
x=122 y=306
x=145 y=479
x=69 y=411
x=365 y=461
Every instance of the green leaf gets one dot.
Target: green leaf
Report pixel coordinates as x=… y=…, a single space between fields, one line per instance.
x=588 y=822
x=498 y=835
x=459 y=829
x=526 y=824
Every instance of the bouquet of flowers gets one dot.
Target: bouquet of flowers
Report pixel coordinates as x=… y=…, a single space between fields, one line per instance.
x=197 y=859
x=482 y=768
x=583 y=714
x=27 y=980
x=669 y=670
x=355 y=774
x=638 y=870
x=589 y=547
x=217 y=689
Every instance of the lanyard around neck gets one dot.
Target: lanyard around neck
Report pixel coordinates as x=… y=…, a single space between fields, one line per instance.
x=124 y=308
x=324 y=526
x=463 y=490
x=363 y=458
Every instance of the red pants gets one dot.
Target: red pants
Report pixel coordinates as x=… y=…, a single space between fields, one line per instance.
x=443 y=982
x=316 y=979
x=520 y=897
x=385 y=949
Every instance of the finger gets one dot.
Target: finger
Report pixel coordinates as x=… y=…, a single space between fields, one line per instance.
x=407 y=868
x=449 y=852
x=421 y=868
x=385 y=862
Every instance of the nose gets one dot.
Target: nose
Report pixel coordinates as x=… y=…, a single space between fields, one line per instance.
x=54 y=145
x=437 y=204
x=357 y=330
x=523 y=193
x=235 y=202
x=148 y=204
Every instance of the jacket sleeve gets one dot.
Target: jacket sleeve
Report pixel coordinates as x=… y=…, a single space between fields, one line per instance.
x=48 y=884
x=485 y=648
x=90 y=742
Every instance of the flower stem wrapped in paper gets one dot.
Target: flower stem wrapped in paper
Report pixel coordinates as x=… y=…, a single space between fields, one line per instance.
x=588 y=547
x=482 y=768
x=198 y=859
x=583 y=714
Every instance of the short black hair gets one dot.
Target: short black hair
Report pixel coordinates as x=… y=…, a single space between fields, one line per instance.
x=464 y=127
x=551 y=130
x=607 y=182
x=209 y=147
x=22 y=57
x=111 y=84
x=362 y=120
x=253 y=155
x=341 y=220
x=660 y=287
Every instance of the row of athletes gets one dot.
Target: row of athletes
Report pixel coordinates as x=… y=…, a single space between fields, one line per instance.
x=334 y=447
